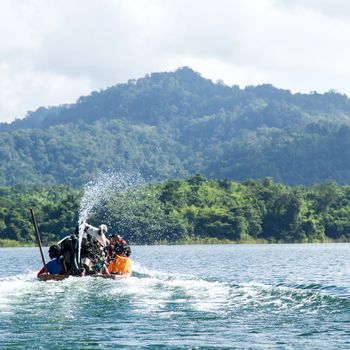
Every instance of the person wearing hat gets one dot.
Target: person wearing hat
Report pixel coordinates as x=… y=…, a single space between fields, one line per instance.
x=54 y=266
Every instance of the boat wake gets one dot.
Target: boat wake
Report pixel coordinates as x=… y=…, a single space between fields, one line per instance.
x=152 y=296
x=150 y=290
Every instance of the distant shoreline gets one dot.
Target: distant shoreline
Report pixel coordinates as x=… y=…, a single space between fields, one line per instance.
x=8 y=243
x=11 y=243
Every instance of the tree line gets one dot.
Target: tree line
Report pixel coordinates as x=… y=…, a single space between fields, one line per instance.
x=193 y=210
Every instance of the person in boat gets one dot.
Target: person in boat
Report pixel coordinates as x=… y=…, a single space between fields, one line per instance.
x=54 y=266
x=118 y=255
x=96 y=232
x=122 y=247
x=92 y=249
x=118 y=246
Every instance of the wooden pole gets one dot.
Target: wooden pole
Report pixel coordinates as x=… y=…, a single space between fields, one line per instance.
x=38 y=238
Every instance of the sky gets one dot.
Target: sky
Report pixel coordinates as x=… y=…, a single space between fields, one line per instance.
x=52 y=52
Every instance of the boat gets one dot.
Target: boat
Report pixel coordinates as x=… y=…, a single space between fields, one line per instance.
x=114 y=276
x=84 y=254
x=48 y=277
x=88 y=258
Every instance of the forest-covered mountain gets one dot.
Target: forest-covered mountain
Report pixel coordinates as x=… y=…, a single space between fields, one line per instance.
x=171 y=125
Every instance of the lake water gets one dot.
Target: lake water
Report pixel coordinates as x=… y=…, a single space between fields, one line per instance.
x=184 y=297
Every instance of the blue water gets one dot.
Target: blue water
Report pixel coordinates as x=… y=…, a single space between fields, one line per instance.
x=184 y=297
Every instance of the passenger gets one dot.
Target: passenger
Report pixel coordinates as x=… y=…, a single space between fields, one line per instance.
x=97 y=232
x=121 y=247
x=53 y=267
x=119 y=251
x=102 y=268
x=109 y=249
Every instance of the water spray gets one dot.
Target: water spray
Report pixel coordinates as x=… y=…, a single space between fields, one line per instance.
x=99 y=191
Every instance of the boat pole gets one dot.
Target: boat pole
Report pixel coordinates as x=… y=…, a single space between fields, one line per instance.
x=38 y=239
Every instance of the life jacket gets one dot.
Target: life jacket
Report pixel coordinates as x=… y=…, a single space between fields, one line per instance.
x=120 y=265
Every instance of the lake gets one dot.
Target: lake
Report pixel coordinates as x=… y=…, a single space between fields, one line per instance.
x=184 y=297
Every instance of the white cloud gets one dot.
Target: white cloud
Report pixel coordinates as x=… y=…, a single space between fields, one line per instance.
x=52 y=52
x=339 y=9
x=21 y=91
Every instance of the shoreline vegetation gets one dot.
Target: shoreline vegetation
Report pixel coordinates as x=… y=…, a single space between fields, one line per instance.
x=8 y=243
x=193 y=211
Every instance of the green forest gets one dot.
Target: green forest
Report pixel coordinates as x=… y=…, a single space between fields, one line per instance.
x=176 y=124
x=195 y=210
x=275 y=165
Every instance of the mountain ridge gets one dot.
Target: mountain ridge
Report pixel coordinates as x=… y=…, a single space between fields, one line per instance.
x=189 y=80
x=176 y=124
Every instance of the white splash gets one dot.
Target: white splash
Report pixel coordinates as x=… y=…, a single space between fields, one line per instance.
x=99 y=191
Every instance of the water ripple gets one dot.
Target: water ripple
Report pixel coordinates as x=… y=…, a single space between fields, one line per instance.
x=158 y=309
